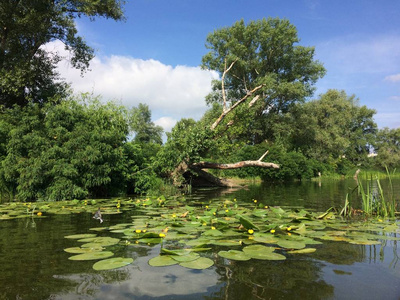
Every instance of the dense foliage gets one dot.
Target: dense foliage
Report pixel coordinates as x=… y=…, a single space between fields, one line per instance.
x=27 y=70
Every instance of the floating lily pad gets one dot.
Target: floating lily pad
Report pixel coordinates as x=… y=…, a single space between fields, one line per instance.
x=112 y=263
x=80 y=236
x=199 y=264
x=303 y=251
x=262 y=252
x=150 y=240
x=291 y=244
x=234 y=255
x=162 y=261
x=184 y=258
x=104 y=241
x=83 y=250
x=92 y=255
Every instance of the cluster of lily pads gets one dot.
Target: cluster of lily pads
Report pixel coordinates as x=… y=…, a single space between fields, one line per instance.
x=190 y=232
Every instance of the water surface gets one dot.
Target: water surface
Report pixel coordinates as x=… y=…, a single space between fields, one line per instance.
x=34 y=265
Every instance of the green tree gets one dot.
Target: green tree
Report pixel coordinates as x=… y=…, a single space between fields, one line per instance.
x=27 y=70
x=71 y=150
x=388 y=148
x=145 y=130
x=333 y=129
x=262 y=61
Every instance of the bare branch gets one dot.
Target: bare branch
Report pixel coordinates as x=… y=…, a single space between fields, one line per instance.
x=237 y=165
x=262 y=156
x=225 y=112
x=223 y=82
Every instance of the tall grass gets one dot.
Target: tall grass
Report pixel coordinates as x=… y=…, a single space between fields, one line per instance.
x=374 y=201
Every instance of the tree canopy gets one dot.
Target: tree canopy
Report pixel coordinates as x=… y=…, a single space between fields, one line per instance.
x=27 y=70
x=262 y=62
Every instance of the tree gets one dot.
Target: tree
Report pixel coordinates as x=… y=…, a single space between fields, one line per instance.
x=145 y=130
x=260 y=61
x=388 y=148
x=71 y=150
x=261 y=66
x=27 y=70
x=333 y=129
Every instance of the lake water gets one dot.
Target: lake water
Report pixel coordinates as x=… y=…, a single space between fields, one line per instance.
x=34 y=265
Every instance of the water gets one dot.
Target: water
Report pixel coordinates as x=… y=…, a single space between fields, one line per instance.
x=34 y=265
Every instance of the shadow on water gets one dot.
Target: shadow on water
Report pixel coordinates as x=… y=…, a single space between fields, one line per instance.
x=34 y=265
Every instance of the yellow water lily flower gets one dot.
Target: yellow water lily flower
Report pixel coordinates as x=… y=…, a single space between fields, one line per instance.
x=251 y=231
x=272 y=230
x=206 y=206
x=227 y=210
x=289 y=228
x=138 y=231
x=161 y=235
x=212 y=227
x=266 y=206
x=289 y=234
x=255 y=201
x=39 y=213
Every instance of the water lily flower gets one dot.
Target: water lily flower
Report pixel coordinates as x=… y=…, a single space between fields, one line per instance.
x=266 y=206
x=250 y=231
x=289 y=228
x=227 y=210
x=138 y=231
x=206 y=206
x=212 y=227
x=39 y=213
x=272 y=230
x=255 y=201
x=161 y=235
x=289 y=234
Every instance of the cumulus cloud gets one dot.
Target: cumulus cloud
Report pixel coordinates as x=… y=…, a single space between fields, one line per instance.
x=171 y=92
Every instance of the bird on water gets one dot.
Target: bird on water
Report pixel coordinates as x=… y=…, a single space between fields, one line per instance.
x=97 y=216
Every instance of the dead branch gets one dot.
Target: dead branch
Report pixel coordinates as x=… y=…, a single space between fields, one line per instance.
x=262 y=156
x=223 y=82
x=237 y=165
x=225 y=112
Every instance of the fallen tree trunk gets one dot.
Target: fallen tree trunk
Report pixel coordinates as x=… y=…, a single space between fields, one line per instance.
x=237 y=165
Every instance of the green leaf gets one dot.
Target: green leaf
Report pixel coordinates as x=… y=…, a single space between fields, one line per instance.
x=104 y=241
x=188 y=257
x=198 y=264
x=291 y=244
x=234 y=255
x=83 y=250
x=112 y=263
x=162 y=261
x=302 y=251
x=80 y=236
x=92 y=255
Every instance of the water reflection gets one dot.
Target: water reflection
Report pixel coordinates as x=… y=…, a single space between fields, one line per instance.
x=34 y=265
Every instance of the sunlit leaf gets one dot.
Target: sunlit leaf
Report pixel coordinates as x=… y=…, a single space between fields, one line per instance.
x=112 y=263
x=92 y=255
x=198 y=264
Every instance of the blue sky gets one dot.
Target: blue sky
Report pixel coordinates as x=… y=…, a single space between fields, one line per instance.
x=153 y=56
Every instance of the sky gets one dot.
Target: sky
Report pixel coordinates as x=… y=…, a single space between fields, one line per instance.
x=153 y=56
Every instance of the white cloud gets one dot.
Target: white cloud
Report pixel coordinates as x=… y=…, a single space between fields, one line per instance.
x=393 y=78
x=171 y=92
x=166 y=122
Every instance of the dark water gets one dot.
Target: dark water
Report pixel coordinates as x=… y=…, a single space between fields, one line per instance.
x=33 y=264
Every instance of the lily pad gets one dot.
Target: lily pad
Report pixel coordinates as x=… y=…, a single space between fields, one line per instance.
x=234 y=255
x=162 y=261
x=79 y=250
x=112 y=263
x=80 y=236
x=291 y=244
x=262 y=252
x=184 y=258
x=103 y=241
x=199 y=264
x=302 y=251
x=92 y=255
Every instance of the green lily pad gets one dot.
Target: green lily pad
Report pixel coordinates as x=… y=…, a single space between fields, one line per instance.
x=262 y=252
x=80 y=236
x=162 y=261
x=150 y=240
x=104 y=241
x=229 y=243
x=183 y=258
x=79 y=250
x=291 y=244
x=199 y=264
x=303 y=251
x=234 y=255
x=112 y=263
x=246 y=223
x=92 y=255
